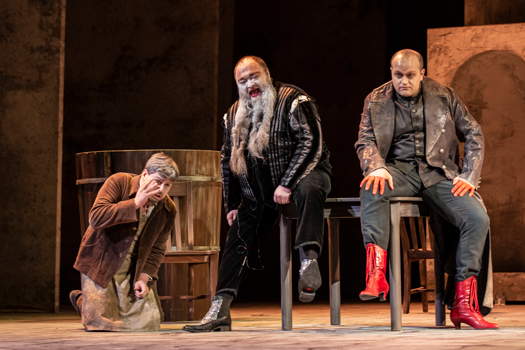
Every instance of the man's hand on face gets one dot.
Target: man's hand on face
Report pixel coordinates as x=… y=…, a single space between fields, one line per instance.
x=282 y=195
x=376 y=179
x=461 y=188
x=148 y=188
x=230 y=217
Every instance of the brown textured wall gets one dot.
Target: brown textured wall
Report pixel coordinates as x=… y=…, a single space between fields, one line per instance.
x=486 y=66
x=480 y=12
x=492 y=85
x=30 y=125
x=139 y=75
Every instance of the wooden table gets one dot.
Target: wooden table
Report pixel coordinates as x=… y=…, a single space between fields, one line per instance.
x=348 y=208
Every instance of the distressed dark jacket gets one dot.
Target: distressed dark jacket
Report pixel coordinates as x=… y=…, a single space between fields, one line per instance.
x=113 y=222
x=447 y=122
x=295 y=147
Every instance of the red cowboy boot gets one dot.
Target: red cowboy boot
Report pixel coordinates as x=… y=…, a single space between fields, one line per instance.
x=376 y=284
x=466 y=308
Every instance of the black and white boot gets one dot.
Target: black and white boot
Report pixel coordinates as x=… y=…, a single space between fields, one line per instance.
x=309 y=280
x=217 y=319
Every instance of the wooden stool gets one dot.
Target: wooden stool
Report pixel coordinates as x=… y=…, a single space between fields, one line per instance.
x=181 y=193
x=417 y=246
x=192 y=259
x=408 y=207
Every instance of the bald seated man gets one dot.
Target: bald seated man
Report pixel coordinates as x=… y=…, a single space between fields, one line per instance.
x=408 y=138
x=273 y=154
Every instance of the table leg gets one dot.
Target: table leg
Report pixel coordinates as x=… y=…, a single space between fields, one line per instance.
x=286 y=273
x=395 y=267
x=334 y=267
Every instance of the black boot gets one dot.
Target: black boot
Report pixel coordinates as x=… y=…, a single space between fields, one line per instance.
x=217 y=319
x=309 y=280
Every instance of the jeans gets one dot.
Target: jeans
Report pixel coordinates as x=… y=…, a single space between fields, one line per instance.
x=465 y=213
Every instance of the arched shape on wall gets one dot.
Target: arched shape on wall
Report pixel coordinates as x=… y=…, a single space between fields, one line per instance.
x=492 y=84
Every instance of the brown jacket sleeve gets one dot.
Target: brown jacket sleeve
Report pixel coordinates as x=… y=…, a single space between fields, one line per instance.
x=112 y=206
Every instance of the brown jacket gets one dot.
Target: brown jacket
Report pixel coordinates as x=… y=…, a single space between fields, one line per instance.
x=113 y=222
x=447 y=121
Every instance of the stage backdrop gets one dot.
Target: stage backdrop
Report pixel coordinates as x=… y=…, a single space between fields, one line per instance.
x=486 y=67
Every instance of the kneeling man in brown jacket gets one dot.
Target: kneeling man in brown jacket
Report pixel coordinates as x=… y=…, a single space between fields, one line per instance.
x=122 y=248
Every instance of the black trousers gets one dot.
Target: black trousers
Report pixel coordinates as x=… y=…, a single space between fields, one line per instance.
x=464 y=213
x=255 y=220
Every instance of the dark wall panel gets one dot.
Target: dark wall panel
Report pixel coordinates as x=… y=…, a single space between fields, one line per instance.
x=139 y=74
x=338 y=51
x=335 y=51
x=30 y=151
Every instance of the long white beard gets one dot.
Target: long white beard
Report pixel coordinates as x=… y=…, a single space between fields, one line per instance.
x=259 y=113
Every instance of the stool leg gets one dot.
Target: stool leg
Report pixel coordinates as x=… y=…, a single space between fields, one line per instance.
x=286 y=273
x=439 y=296
x=395 y=268
x=191 y=287
x=407 y=283
x=424 y=284
x=213 y=271
x=333 y=266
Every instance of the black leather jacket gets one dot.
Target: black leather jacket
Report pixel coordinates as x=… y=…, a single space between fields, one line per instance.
x=447 y=122
x=295 y=147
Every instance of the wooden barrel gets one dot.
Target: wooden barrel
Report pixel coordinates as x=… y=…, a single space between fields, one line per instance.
x=201 y=167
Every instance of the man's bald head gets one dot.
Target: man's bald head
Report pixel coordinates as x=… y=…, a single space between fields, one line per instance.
x=247 y=59
x=407 y=54
x=406 y=68
x=252 y=76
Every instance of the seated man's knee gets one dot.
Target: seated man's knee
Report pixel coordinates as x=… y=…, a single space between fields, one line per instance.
x=479 y=221
x=307 y=189
x=368 y=195
x=484 y=221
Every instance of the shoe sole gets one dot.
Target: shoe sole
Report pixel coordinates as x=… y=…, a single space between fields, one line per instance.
x=310 y=279
x=221 y=328
x=367 y=297
x=305 y=297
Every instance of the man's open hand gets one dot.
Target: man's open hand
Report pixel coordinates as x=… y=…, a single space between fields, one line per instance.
x=461 y=187
x=377 y=179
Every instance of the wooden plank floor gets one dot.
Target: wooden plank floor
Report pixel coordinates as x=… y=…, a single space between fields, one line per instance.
x=364 y=326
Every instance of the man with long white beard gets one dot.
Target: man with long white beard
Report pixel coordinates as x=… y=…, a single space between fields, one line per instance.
x=273 y=154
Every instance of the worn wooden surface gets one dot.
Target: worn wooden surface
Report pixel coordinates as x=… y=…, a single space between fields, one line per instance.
x=364 y=326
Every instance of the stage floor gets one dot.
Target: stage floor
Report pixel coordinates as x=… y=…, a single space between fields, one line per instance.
x=364 y=326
